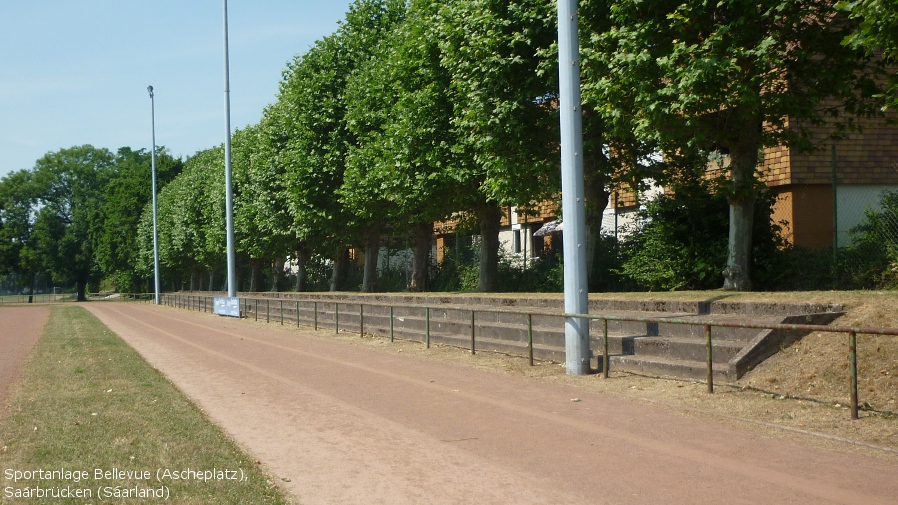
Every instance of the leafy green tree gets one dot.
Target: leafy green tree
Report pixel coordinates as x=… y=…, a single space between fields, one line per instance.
x=69 y=185
x=399 y=172
x=503 y=115
x=261 y=217
x=129 y=190
x=272 y=148
x=733 y=77
x=190 y=216
x=18 y=244
x=315 y=131
x=877 y=34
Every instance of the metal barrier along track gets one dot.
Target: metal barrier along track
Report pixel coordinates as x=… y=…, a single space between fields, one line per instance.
x=293 y=313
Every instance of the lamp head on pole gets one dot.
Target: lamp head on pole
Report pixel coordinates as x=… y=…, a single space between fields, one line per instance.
x=150 y=89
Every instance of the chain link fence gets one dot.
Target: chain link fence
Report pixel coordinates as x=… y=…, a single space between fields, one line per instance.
x=862 y=222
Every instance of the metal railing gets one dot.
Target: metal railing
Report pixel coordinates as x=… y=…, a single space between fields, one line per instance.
x=251 y=308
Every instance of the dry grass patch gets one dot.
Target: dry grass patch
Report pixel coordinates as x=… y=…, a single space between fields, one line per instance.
x=88 y=402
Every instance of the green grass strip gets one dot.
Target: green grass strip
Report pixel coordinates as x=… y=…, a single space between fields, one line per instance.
x=90 y=403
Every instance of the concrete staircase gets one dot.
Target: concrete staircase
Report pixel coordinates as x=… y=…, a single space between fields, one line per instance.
x=654 y=348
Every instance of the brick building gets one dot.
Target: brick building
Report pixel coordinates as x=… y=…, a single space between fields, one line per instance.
x=860 y=169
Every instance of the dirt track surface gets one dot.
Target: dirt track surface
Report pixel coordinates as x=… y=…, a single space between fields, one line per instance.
x=20 y=327
x=340 y=423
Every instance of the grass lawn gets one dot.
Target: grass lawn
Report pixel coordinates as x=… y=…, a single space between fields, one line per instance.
x=88 y=403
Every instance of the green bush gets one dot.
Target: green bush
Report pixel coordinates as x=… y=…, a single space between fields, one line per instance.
x=871 y=261
x=680 y=240
x=545 y=275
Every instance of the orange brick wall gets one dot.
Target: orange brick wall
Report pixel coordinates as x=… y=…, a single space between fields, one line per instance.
x=807 y=211
x=870 y=157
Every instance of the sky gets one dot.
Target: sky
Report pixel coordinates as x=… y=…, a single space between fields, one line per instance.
x=76 y=72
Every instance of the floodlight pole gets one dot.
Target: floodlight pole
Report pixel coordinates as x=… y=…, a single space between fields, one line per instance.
x=158 y=282
x=576 y=291
x=229 y=194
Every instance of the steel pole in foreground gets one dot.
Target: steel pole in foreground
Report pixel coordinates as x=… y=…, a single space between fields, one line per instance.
x=158 y=283
x=576 y=293
x=229 y=194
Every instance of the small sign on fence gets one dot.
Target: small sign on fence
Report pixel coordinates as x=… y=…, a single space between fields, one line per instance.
x=226 y=306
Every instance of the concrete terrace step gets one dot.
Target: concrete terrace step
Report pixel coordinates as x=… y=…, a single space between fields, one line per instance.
x=666 y=346
x=654 y=365
x=689 y=349
x=501 y=336
x=517 y=348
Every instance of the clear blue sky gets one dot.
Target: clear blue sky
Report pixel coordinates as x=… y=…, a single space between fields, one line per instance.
x=76 y=72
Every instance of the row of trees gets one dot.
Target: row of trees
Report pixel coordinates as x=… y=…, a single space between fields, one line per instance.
x=415 y=111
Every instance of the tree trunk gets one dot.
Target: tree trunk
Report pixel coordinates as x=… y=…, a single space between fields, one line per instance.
x=277 y=272
x=490 y=222
x=211 y=280
x=82 y=290
x=33 y=285
x=422 y=234
x=341 y=262
x=744 y=160
x=596 y=200
x=595 y=169
x=255 y=280
x=372 y=250
x=302 y=257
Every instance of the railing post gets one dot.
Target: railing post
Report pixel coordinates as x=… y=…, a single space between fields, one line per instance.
x=315 y=313
x=336 y=317
x=473 y=351
x=710 y=358
x=297 y=313
x=391 y=323
x=530 y=337
x=267 y=310
x=427 y=326
x=256 y=308
x=361 y=320
x=282 y=311
x=852 y=365
x=606 y=361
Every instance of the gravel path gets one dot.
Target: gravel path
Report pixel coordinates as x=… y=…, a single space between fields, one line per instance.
x=343 y=423
x=20 y=327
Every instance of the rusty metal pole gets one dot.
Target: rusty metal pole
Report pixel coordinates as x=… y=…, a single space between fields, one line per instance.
x=605 y=360
x=852 y=363
x=530 y=337
x=473 y=351
x=710 y=356
x=282 y=311
x=296 y=313
x=427 y=326
x=361 y=320
x=336 y=317
x=267 y=311
x=315 y=312
x=391 y=323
